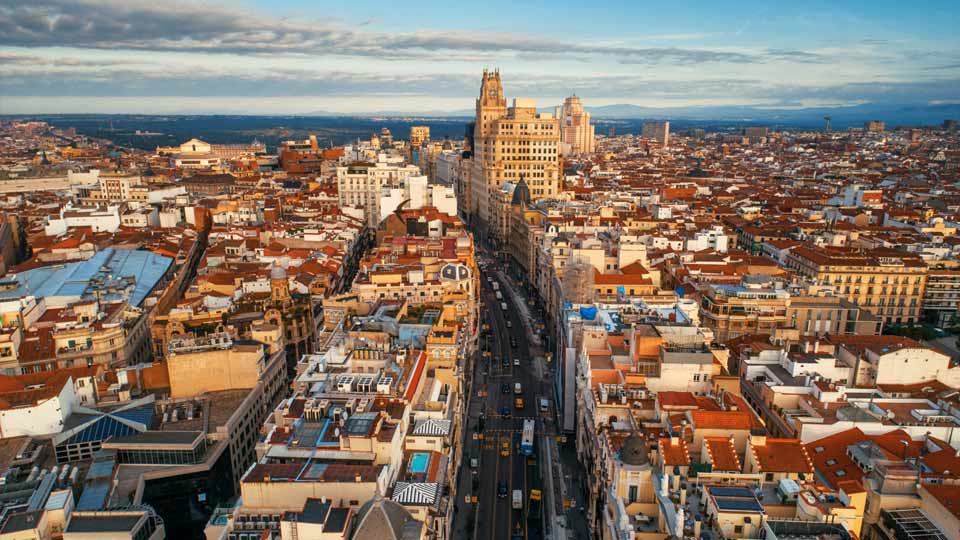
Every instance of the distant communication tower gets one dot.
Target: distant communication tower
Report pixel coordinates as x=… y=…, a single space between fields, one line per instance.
x=826 y=124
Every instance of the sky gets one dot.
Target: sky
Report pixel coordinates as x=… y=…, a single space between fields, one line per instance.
x=301 y=57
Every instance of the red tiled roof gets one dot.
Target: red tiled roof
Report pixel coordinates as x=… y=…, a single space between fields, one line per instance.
x=674 y=454
x=723 y=456
x=736 y=420
x=782 y=455
x=947 y=495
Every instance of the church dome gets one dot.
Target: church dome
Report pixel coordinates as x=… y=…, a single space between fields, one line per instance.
x=634 y=451
x=383 y=519
x=521 y=193
x=277 y=272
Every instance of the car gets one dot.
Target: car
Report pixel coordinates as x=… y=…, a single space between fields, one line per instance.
x=505 y=362
x=504 y=388
x=505 y=411
x=474 y=463
x=516 y=361
x=502 y=489
x=513 y=342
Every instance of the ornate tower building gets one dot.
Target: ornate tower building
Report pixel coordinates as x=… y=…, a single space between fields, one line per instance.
x=510 y=143
x=279 y=286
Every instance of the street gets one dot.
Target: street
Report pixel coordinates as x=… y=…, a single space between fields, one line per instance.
x=506 y=355
x=492 y=404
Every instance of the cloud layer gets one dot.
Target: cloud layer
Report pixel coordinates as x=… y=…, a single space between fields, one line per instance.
x=176 y=27
x=51 y=48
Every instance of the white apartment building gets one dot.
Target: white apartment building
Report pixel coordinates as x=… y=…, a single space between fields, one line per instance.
x=417 y=192
x=98 y=218
x=361 y=185
x=713 y=239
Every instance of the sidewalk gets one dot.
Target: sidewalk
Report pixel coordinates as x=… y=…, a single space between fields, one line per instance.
x=532 y=337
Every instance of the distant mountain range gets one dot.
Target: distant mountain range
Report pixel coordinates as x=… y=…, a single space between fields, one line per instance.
x=840 y=116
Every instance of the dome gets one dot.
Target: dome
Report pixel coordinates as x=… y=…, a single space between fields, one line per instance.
x=634 y=451
x=383 y=519
x=521 y=193
x=277 y=272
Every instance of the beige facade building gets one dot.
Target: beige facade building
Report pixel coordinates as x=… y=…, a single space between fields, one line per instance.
x=576 y=131
x=212 y=363
x=889 y=284
x=419 y=135
x=658 y=131
x=511 y=143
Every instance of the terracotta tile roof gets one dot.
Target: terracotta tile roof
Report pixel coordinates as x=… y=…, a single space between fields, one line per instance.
x=947 y=495
x=943 y=462
x=721 y=453
x=830 y=459
x=782 y=455
x=736 y=420
x=677 y=399
x=674 y=454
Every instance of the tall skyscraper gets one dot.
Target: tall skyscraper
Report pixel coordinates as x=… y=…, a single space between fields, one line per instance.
x=576 y=132
x=510 y=143
x=658 y=131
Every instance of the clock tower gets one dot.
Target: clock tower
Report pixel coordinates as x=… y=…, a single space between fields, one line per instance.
x=491 y=104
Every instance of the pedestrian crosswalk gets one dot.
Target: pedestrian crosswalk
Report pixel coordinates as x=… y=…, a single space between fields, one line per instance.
x=495 y=416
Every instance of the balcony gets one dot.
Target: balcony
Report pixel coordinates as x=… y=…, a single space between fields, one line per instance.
x=75 y=349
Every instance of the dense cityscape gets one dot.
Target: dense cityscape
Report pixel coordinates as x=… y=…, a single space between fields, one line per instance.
x=531 y=324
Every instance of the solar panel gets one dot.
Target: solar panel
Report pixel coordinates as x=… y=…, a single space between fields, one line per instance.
x=730 y=491
x=742 y=505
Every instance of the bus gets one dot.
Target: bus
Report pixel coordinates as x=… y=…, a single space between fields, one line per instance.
x=526 y=444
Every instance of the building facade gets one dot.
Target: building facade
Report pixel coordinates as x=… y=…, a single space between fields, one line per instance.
x=510 y=143
x=576 y=131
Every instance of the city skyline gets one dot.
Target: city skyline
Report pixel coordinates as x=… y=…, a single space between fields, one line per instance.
x=295 y=58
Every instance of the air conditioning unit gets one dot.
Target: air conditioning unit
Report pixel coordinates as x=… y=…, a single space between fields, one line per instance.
x=367 y=383
x=384 y=385
x=345 y=383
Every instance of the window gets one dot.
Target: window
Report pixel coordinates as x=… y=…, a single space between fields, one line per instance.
x=738 y=529
x=831 y=462
x=840 y=473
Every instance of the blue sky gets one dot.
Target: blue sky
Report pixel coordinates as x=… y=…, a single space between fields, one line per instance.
x=299 y=56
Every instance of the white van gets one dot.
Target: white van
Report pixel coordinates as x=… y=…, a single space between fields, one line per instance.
x=517 y=388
